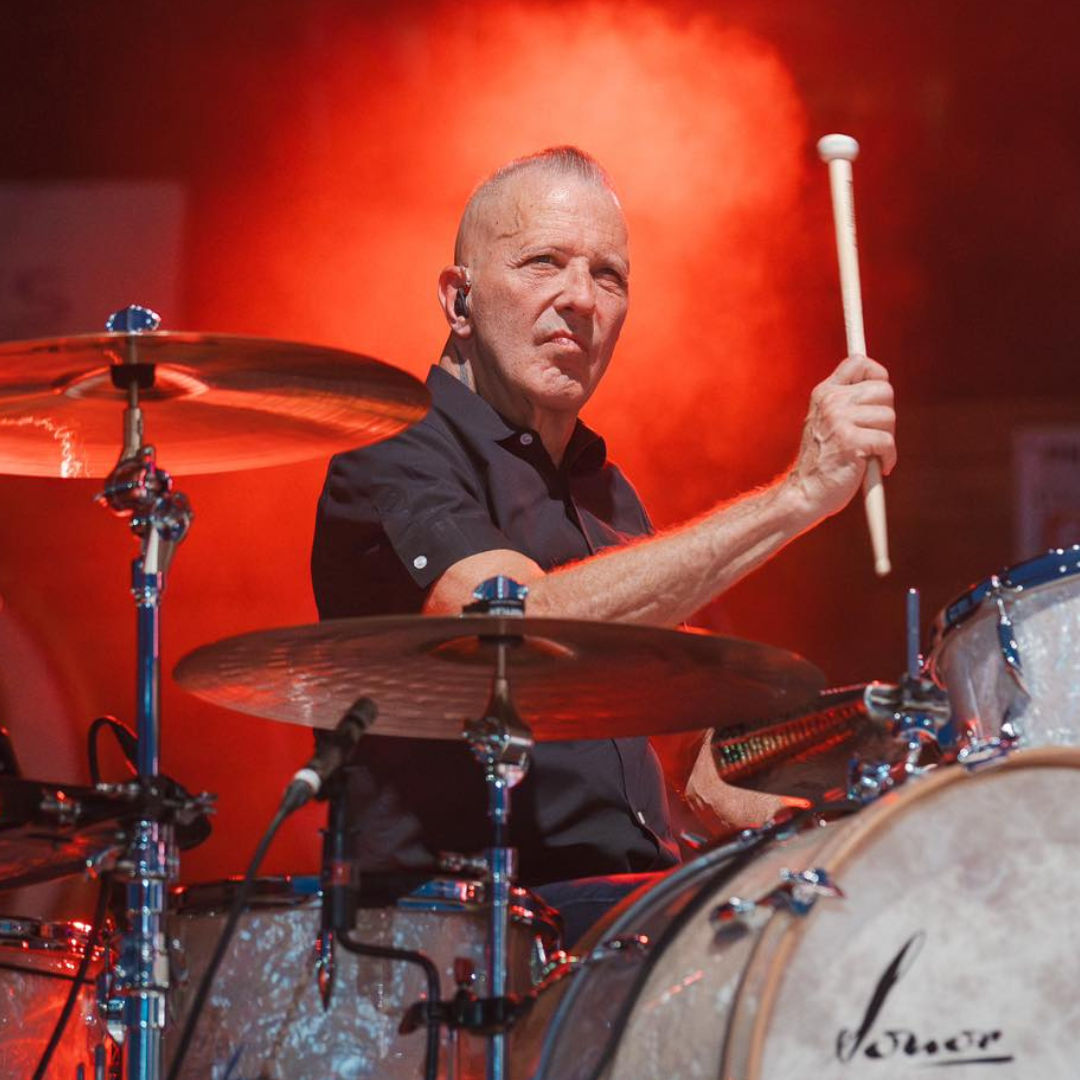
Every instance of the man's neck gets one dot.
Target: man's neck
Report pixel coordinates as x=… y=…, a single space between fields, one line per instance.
x=554 y=428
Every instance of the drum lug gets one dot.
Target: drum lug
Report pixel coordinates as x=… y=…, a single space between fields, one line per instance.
x=1010 y=647
x=979 y=753
x=797 y=893
x=1011 y=731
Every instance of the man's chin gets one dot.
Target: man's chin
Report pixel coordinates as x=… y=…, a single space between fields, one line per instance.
x=566 y=388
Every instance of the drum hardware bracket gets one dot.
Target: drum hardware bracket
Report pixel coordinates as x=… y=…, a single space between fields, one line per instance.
x=563 y=963
x=797 y=893
x=915 y=711
x=467 y=1012
x=452 y=862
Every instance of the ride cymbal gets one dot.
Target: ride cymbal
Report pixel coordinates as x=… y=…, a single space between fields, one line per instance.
x=569 y=679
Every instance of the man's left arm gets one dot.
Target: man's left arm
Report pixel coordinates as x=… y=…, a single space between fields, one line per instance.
x=721 y=808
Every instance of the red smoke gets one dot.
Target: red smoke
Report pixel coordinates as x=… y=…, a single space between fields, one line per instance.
x=336 y=233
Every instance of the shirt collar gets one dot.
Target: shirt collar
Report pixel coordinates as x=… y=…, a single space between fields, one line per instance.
x=586 y=451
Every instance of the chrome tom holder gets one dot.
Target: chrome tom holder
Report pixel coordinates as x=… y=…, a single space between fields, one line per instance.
x=915 y=711
x=159 y=517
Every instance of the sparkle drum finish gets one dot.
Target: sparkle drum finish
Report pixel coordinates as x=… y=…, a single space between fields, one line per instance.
x=38 y=961
x=264 y=1017
x=951 y=945
x=1008 y=651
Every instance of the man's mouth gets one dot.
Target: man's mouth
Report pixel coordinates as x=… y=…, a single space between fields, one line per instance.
x=567 y=340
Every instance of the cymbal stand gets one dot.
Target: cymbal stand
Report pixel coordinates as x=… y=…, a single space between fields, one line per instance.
x=159 y=518
x=501 y=741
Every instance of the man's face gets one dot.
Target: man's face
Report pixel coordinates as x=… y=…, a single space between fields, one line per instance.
x=550 y=273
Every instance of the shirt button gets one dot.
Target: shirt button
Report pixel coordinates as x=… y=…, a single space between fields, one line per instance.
x=526 y=439
x=420 y=562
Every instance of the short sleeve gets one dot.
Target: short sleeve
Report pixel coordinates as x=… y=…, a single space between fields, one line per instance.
x=396 y=516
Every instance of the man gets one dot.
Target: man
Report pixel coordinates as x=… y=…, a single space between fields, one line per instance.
x=502 y=478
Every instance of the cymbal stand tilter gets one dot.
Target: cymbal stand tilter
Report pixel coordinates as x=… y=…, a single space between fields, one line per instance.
x=501 y=741
x=159 y=518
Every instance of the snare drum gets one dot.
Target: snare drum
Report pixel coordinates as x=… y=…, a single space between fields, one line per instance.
x=38 y=961
x=955 y=943
x=264 y=1017
x=1008 y=650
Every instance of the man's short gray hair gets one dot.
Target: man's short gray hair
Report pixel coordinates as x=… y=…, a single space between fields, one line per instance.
x=557 y=160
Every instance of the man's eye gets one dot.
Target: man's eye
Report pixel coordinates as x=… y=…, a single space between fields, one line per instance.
x=543 y=259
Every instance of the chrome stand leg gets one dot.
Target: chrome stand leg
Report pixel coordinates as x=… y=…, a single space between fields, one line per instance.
x=151 y=860
x=502 y=867
x=143 y=970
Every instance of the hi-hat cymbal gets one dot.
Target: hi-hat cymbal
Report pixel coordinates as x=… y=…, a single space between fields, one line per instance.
x=219 y=402
x=569 y=679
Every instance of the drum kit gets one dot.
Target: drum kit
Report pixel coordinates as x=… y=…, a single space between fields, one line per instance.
x=919 y=914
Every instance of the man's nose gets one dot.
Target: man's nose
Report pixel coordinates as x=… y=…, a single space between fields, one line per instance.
x=578 y=290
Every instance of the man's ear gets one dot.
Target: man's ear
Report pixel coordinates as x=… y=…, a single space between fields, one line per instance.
x=454 y=285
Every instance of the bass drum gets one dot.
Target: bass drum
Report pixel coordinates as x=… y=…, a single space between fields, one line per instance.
x=955 y=943
x=264 y=1017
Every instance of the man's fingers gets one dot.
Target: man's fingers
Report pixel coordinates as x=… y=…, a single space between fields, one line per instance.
x=881 y=417
x=856 y=369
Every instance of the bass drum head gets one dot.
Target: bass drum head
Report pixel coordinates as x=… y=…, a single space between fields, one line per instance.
x=955 y=944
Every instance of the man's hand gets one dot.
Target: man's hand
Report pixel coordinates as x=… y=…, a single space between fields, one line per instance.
x=724 y=809
x=851 y=419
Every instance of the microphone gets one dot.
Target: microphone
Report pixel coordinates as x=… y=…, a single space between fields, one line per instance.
x=334 y=750
x=338 y=881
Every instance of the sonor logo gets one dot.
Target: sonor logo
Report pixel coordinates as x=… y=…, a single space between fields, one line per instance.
x=968 y=1046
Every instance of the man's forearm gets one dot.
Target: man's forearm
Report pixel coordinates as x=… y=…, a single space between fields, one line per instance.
x=664 y=579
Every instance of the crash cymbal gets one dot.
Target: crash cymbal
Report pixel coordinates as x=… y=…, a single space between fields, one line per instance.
x=218 y=402
x=569 y=679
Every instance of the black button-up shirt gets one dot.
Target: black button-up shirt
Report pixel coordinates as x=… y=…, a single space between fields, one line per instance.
x=392 y=519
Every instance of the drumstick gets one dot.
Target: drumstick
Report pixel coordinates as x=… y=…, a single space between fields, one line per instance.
x=838 y=152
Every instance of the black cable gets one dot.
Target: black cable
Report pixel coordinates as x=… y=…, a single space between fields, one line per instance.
x=124 y=736
x=239 y=903
x=333 y=753
x=385 y=952
x=96 y=928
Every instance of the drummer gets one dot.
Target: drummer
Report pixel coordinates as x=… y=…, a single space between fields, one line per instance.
x=503 y=478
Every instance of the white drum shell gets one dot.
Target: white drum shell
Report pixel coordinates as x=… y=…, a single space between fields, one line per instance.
x=979 y=872
x=264 y=1016
x=968 y=661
